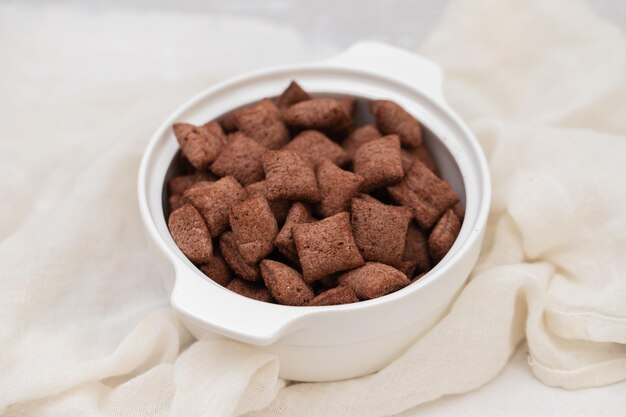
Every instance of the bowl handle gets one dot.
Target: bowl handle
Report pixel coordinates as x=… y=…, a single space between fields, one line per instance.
x=221 y=311
x=395 y=63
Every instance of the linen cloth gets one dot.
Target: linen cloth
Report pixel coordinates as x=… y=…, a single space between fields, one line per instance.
x=85 y=328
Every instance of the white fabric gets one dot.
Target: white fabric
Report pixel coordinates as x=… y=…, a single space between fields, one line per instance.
x=84 y=324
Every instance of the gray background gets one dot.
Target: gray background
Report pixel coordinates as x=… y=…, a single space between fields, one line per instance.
x=403 y=23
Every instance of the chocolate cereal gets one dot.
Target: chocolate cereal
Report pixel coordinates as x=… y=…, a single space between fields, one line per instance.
x=191 y=234
x=380 y=230
x=374 y=280
x=424 y=193
x=285 y=284
x=290 y=177
x=241 y=159
x=326 y=247
x=378 y=162
x=287 y=200
x=393 y=119
x=337 y=188
x=263 y=123
x=317 y=147
x=299 y=213
x=443 y=235
x=254 y=227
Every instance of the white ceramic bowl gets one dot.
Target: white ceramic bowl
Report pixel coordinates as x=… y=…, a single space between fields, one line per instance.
x=343 y=341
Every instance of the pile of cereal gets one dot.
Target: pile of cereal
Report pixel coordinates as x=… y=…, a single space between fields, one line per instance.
x=287 y=201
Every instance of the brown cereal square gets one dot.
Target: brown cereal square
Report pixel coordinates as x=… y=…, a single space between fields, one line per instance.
x=191 y=234
x=348 y=104
x=241 y=159
x=289 y=176
x=181 y=183
x=217 y=270
x=280 y=208
x=335 y=296
x=326 y=247
x=415 y=257
x=380 y=230
x=378 y=162
x=424 y=193
x=176 y=201
x=337 y=188
x=299 y=213
x=228 y=122
x=215 y=129
x=292 y=95
x=230 y=251
x=285 y=283
x=254 y=227
x=316 y=146
x=198 y=144
x=423 y=154
x=253 y=290
x=391 y=118
x=318 y=113
x=443 y=235
x=374 y=280
x=263 y=123
x=459 y=210
x=214 y=201
x=358 y=137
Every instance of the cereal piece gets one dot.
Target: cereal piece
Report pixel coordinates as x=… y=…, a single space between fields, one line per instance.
x=368 y=198
x=280 y=208
x=215 y=129
x=334 y=296
x=374 y=280
x=317 y=147
x=198 y=145
x=326 y=247
x=299 y=213
x=292 y=95
x=378 y=163
x=421 y=153
x=358 y=137
x=427 y=158
x=415 y=256
x=254 y=227
x=178 y=185
x=285 y=283
x=337 y=188
x=217 y=270
x=393 y=119
x=214 y=201
x=263 y=123
x=191 y=234
x=181 y=183
x=289 y=176
x=380 y=230
x=253 y=290
x=230 y=252
x=241 y=159
x=424 y=193
x=459 y=210
x=348 y=104
x=228 y=122
x=318 y=113
x=443 y=235
x=176 y=201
